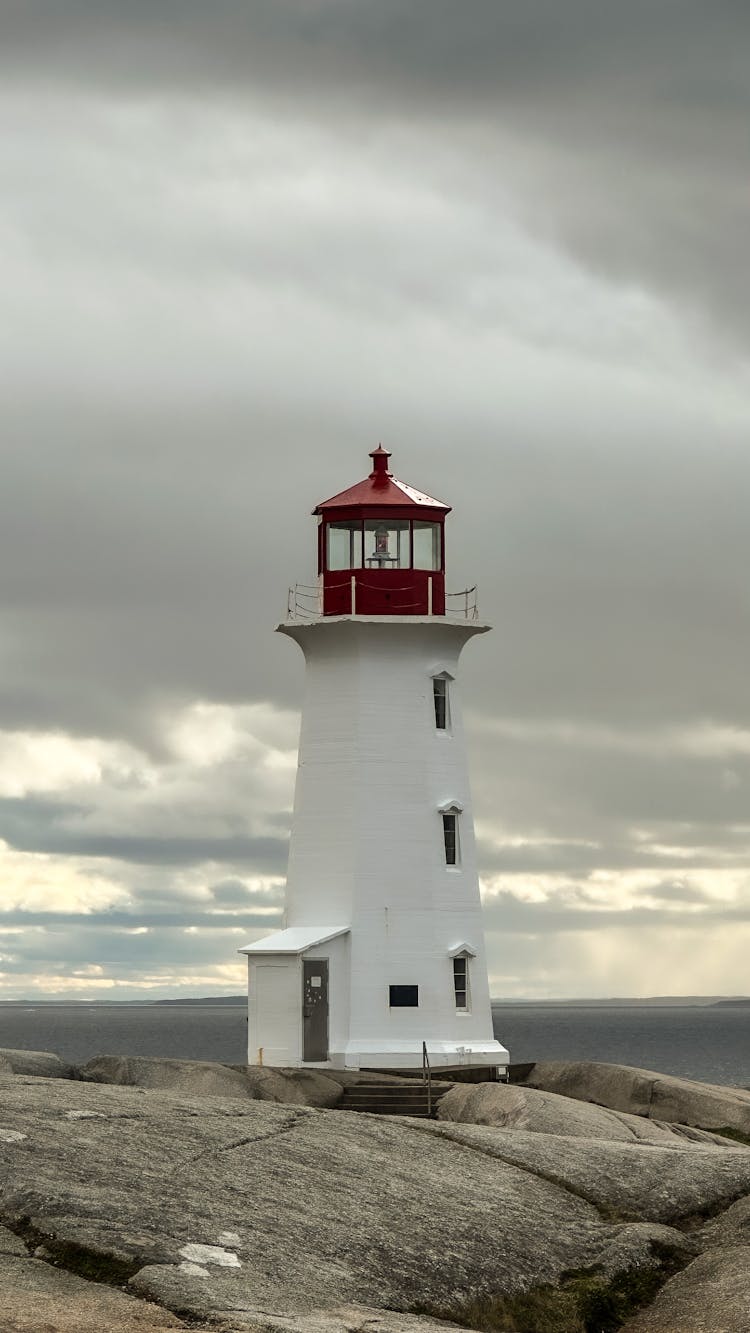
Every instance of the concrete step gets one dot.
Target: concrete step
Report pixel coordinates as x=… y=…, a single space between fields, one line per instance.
x=391 y=1099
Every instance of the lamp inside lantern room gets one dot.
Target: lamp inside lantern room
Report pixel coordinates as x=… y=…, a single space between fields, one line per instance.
x=382 y=553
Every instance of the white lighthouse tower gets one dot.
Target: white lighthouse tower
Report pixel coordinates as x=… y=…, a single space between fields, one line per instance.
x=382 y=948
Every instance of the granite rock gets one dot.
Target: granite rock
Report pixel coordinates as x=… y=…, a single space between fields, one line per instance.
x=203 y=1078
x=40 y=1064
x=645 y=1093
x=297 y=1209
x=11 y=1244
x=711 y=1295
x=512 y=1107
x=260 y=1216
x=347 y=1319
x=37 y=1298
x=623 y=1180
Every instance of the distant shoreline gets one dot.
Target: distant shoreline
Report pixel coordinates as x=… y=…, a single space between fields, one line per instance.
x=236 y=1001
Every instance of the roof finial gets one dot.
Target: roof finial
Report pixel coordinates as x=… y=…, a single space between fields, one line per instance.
x=380 y=473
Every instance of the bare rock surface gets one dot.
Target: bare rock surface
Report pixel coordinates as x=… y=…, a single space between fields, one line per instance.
x=350 y=1319
x=711 y=1295
x=300 y=1208
x=731 y=1227
x=37 y=1298
x=625 y=1180
x=10 y=1243
x=645 y=1093
x=260 y=1216
x=511 y=1107
x=42 y=1064
x=204 y=1078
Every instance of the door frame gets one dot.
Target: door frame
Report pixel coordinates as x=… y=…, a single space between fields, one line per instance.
x=323 y=964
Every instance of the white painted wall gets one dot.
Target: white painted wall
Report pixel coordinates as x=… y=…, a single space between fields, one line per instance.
x=275 y=1034
x=367 y=841
x=274 y=1010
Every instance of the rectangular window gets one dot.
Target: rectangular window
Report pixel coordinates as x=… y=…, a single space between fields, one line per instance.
x=426 y=545
x=344 y=546
x=450 y=838
x=440 y=697
x=387 y=544
x=403 y=997
x=461 y=981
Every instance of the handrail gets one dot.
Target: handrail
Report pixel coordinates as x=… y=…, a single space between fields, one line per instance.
x=305 y=600
x=470 y=604
x=427 y=1077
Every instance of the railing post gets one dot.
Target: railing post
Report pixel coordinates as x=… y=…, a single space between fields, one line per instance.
x=427 y=1078
x=466 y=612
x=354 y=594
x=429 y=594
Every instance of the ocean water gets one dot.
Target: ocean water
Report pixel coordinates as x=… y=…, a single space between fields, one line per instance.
x=78 y=1032
x=706 y=1043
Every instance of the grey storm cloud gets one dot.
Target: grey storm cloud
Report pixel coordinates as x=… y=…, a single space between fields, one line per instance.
x=35 y=826
x=620 y=128
x=121 y=952
x=241 y=244
x=506 y=913
x=183 y=917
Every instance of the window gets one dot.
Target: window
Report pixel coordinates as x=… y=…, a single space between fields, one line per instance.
x=426 y=545
x=403 y=997
x=461 y=981
x=344 y=546
x=450 y=837
x=387 y=544
x=440 y=697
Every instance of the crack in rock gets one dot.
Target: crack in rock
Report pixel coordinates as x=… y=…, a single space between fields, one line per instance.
x=220 y=1149
x=495 y=1155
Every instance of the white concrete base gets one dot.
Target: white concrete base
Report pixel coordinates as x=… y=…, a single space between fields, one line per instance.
x=408 y=1054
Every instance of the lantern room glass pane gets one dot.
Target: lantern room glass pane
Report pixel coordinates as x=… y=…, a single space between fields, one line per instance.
x=426 y=545
x=387 y=544
x=344 y=546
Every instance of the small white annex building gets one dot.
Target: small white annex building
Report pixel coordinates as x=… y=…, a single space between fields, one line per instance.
x=383 y=946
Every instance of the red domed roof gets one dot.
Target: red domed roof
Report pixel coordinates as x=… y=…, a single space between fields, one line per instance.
x=381 y=489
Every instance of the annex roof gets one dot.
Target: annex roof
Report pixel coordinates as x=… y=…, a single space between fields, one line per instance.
x=296 y=939
x=381 y=488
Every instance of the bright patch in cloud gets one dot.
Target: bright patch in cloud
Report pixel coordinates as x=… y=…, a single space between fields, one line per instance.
x=37 y=883
x=51 y=761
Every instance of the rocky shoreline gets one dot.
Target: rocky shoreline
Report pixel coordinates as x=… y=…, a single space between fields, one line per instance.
x=141 y=1194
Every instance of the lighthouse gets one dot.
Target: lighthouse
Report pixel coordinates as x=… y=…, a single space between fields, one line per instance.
x=381 y=955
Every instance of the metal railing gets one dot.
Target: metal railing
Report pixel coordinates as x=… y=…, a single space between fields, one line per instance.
x=427 y=1077
x=462 y=605
x=305 y=601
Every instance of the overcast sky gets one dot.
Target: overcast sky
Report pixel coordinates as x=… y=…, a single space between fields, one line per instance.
x=241 y=243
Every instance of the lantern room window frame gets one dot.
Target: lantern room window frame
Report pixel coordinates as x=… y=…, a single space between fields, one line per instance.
x=361 y=527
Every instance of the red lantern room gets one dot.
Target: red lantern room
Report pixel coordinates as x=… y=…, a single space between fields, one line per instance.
x=380 y=548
